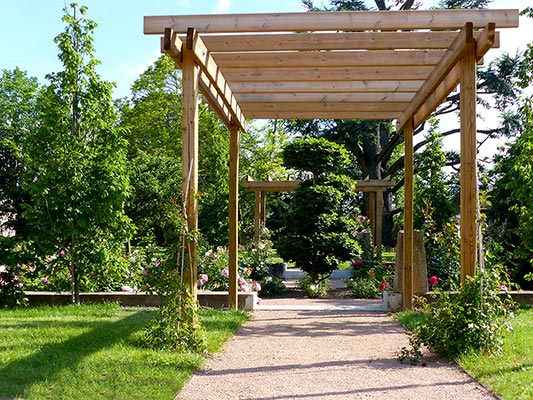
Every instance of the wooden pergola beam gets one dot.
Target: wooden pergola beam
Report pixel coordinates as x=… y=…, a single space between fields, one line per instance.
x=468 y=178
x=289 y=114
x=319 y=21
x=369 y=97
x=483 y=43
x=317 y=74
x=233 y=248
x=408 y=258
x=325 y=106
x=172 y=45
x=329 y=41
x=391 y=86
x=328 y=58
x=439 y=73
x=271 y=186
x=189 y=156
x=211 y=70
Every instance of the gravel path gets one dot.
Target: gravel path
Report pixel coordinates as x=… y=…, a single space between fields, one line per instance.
x=333 y=354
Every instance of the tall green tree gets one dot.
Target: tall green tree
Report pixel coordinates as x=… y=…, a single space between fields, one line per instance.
x=18 y=117
x=318 y=229
x=152 y=122
x=78 y=181
x=373 y=144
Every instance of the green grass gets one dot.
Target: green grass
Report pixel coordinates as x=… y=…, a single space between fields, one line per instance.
x=509 y=374
x=88 y=352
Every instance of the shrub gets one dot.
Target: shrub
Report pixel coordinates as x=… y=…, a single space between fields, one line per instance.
x=317 y=235
x=314 y=288
x=472 y=319
x=272 y=286
x=364 y=287
x=11 y=292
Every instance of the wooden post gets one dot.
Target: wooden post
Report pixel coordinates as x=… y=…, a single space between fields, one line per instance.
x=468 y=160
x=189 y=157
x=263 y=211
x=258 y=219
x=234 y=216
x=408 y=218
x=372 y=211
x=379 y=222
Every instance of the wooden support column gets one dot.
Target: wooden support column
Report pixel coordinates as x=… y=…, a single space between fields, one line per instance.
x=234 y=216
x=263 y=211
x=408 y=217
x=378 y=235
x=468 y=161
x=190 y=162
x=258 y=214
x=372 y=212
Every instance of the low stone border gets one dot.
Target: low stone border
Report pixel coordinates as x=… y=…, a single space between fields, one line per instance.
x=246 y=300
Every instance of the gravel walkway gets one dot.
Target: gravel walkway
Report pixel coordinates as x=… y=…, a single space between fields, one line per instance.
x=331 y=354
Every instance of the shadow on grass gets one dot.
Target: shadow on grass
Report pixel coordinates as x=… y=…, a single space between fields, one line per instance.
x=17 y=377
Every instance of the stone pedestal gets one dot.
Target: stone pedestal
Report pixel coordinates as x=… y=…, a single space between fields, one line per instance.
x=420 y=272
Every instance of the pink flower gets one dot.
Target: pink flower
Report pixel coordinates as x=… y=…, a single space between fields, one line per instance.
x=225 y=272
x=204 y=278
x=245 y=288
x=20 y=284
x=31 y=270
x=241 y=281
x=383 y=286
x=62 y=253
x=44 y=281
x=355 y=233
x=215 y=256
x=433 y=280
x=3 y=269
x=127 y=288
x=504 y=288
x=259 y=301
x=256 y=287
x=145 y=272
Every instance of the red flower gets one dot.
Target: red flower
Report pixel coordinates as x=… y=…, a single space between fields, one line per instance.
x=383 y=286
x=360 y=263
x=433 y=280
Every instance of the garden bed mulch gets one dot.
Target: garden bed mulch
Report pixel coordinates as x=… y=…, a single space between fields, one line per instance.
x=325 y=355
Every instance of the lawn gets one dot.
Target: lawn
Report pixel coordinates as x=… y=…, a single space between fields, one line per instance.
x=509 y=374
x=89 y=352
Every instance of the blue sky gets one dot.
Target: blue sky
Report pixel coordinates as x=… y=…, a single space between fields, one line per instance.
x=27 y=29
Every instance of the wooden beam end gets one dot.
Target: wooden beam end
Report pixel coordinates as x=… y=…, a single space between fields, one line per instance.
x=192 y=35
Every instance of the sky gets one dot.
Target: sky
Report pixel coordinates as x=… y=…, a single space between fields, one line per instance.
x=28 y=27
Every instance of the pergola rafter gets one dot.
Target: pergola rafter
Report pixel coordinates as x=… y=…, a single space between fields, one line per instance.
x=387 y=65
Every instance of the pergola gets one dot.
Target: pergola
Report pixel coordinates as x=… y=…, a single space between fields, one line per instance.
x=375 y=187
x=386 y=65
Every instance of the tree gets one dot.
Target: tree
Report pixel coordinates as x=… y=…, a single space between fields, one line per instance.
x=152 y=122
x=372 y=144
x=509 y=216
x=261 y=159
x=77 y=176
x=18 y=97
x=318 y=226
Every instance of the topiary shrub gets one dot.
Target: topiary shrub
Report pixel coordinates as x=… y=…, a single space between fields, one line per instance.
x=317 y=234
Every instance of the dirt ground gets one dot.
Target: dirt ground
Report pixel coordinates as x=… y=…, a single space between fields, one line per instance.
x=325 y=354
